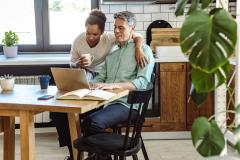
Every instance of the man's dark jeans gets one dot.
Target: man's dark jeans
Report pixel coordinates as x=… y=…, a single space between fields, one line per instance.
x=105 y=118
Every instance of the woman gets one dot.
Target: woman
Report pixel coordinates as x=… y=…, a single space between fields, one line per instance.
x=96 y=43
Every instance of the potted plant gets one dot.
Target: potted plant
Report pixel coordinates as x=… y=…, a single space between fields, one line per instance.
x=10 y=40
x=7 y=82
x=209 y=38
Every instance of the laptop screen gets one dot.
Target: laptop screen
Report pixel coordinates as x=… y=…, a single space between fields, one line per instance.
x=69 y=79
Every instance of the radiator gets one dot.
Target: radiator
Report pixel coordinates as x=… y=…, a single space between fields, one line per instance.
x=41 y=117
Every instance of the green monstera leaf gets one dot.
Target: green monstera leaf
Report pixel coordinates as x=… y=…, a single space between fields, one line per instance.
x=208 y=39
x=205 y=3
x=181 y=5
x=207 y=137
x=198 y=98
x=205 y=82
x=194 y=6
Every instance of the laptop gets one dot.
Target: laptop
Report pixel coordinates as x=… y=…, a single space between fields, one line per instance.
x=69 y=79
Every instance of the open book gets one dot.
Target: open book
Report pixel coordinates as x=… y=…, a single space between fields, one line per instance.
x=87 y=94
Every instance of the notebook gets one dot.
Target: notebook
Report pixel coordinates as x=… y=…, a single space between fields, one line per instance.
x=69 y=79
x=87 y=94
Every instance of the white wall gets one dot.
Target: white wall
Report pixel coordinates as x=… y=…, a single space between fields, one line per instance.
x=147 y=13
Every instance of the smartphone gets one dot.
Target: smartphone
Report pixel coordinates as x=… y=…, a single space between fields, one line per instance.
x=45 y=97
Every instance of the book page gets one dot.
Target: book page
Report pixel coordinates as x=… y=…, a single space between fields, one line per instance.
x=76 y=94
x=101 y=94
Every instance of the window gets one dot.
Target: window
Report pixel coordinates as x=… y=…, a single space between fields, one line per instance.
x=22 y=20
x=44 y=25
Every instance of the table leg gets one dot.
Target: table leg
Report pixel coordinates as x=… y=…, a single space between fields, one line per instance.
x=9 y=138
x=75 y=132
x=27 y=135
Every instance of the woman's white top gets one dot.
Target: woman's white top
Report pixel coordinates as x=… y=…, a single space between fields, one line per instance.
x=99 y=52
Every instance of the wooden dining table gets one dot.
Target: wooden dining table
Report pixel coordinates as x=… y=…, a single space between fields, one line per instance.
x=23 y=101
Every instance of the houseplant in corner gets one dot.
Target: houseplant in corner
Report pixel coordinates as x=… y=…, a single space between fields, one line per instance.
x=10 y=40
x=209 y=37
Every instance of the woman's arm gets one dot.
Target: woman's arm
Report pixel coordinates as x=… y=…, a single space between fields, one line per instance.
x=140 y=58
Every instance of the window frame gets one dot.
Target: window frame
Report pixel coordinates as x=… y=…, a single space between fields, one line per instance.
x=42 y=31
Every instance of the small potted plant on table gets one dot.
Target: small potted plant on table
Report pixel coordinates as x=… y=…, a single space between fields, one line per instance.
x=7 y=82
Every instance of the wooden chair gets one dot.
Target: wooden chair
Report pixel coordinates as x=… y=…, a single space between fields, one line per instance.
x=118 y=145
x=118 y=128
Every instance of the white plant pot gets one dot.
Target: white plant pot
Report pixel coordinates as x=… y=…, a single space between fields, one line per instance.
x=7 y=84
x=10 y=52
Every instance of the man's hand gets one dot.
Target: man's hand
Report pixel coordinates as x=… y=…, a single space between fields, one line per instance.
x=111 y=86
x=96 y=85
x=140 y=58
x=107 y=86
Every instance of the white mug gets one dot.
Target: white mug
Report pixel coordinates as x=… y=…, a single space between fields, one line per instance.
x=87 y=56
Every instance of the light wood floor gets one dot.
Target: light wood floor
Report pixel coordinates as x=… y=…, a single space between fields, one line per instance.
x=47 y=149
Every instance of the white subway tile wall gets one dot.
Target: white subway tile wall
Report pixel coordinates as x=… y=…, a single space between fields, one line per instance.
x=107 y=26
x=168 y=8
x=117 y=8
x=109 y=17
x=143 y=17
x=139 y=26
x=151 y=9
x=135 y=8
x=147 y=13
x=146 y=24
x=162 y=16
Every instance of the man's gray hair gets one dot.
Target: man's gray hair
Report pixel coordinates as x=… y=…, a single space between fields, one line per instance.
x=126 y=16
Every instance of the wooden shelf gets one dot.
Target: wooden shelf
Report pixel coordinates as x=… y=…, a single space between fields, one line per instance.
x=164 y=37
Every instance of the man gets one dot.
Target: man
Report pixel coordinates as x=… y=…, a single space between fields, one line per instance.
x=88 y=51
x=120 y=71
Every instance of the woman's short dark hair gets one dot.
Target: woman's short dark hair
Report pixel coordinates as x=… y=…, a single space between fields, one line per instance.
x=96 y=17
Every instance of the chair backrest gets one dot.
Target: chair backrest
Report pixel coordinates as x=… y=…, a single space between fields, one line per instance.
x=141 y=98
x=153 y=77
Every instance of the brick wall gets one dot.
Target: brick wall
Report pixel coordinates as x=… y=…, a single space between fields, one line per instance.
x=147 y=13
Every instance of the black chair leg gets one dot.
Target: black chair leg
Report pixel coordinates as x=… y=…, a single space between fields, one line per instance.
x=144 y=151
x=115 y=157
x=122 y=158
x=91 y=156
x=96 y=157
x=135 y=157
x=119 y=130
